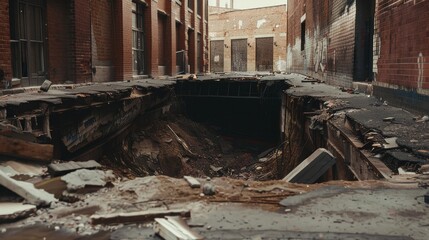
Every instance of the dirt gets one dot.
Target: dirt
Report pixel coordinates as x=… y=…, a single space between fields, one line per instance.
x=177 y=146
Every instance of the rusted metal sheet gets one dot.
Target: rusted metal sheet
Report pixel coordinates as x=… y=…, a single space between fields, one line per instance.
x=217 y=56
x=264 y=54
x=239 y=55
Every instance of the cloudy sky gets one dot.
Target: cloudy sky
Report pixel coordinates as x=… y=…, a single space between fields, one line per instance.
x=242 y=4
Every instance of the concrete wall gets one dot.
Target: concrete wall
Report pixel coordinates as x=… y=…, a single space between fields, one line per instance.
x=251 y=24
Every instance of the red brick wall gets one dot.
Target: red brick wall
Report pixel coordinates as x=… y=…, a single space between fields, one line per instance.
x=82 y=40
x=123 y=40
x=102 y=32
x=5 y=54
x=58 y=28
x=329 y=40
x=102 y=41
x=404 y=45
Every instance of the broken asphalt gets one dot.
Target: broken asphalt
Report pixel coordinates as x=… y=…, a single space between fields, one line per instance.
x=390 y=208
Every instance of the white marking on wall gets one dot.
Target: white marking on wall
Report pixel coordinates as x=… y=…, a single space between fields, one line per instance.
x=420 y=61
x=260 y=23
x=281 y=65
x=212 y=35
x=240 y=24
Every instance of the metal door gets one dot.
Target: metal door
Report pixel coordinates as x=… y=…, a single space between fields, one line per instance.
x=239 y=55
x=264 y=54
x=216 y=56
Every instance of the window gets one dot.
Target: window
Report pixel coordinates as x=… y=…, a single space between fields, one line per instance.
x=138 y=39
x=206 y=12
x=27 y=45
x=303 y=35
x=200 y=7
x=191 y=4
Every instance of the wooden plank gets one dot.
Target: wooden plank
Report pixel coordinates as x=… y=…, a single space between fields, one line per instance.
x=174 y=228
x=26 y=150
x=142 y=216
x=312 y=168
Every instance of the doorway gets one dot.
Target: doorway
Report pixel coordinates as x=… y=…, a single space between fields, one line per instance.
x=239 y=55
x=264 y=54
x=363 y=69
x=217 y=56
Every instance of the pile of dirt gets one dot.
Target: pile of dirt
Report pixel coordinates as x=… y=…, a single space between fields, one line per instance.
x=177 y=146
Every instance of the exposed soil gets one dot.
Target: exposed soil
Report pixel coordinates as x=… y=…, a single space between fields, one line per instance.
x=177 y=146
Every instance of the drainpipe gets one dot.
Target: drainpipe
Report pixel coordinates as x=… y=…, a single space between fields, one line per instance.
x=287 y=33
x=232 y=4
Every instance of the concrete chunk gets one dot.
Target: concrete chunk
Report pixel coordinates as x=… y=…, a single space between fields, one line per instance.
x=14 y=211
x=194 y=183
x=57 y=169
x=312 y=168
x=27 y=191
x=83 y=178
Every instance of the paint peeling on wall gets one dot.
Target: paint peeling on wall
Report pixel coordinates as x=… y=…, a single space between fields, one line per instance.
x=260 y=22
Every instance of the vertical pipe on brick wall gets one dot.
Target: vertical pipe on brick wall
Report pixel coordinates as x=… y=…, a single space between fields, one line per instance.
x=91 y=58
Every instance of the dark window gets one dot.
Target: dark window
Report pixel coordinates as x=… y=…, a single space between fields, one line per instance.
x=206 y=12
x=303 y=35
x=191 y=4
x=200 y=7
x=27 y=41
x=138 y=39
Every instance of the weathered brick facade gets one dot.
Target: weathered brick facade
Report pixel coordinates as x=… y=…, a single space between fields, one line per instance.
x=250 y=25
x=328 y=49
x=385 y=41
x=88 y=41
x=5 y=63
x=403 y=65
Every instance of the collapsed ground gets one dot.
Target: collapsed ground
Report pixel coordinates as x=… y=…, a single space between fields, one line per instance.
x=176 y=146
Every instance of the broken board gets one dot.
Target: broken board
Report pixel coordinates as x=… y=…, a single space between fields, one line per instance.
x=27 y=150
x=312 y=168
x=174 y=228
x=142 y=216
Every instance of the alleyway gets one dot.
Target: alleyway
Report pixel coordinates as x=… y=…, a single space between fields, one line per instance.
x=214 y=119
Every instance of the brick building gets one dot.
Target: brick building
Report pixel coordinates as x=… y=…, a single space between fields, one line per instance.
x=402 y=48
x=100 y=40
x=247 y=40
x=347 y=41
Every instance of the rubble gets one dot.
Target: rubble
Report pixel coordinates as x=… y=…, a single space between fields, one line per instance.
x=27 y=191
x=57 y=169
x=312 y=167
x=193 y=183
x=15 y=211
x=84 y=178
x=209 y=189
x=174 y=228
